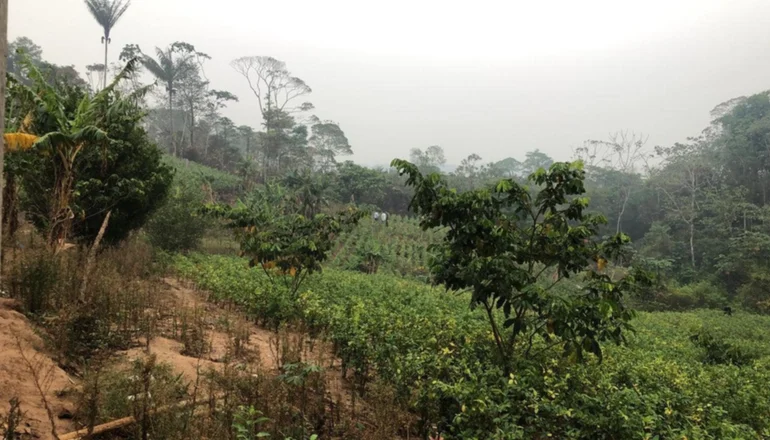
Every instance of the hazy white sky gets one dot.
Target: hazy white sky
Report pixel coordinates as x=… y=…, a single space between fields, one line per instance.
x=495 y=78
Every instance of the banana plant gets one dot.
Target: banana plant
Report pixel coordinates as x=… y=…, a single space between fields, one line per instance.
x=60 y=136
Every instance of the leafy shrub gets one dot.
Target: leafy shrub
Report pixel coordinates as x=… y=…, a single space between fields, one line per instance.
x=719 y=351
x=125 y=177
x=177 y=226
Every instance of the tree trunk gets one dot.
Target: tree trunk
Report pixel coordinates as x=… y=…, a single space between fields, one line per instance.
x=692 y=243
x=192 y=126
x=10 y=212
x=171 y=119
x=3 y=60
x=622 y=210
x=106 y=44
x=61 y=213
x=694 y=186
x=92 y=256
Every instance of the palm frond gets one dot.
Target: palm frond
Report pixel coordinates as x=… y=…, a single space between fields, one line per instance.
x=131 y=67
x=47 y=97
x=51 y=140
x=99 y=105
x=155 y=68
x=91 y=135
x=107 y=12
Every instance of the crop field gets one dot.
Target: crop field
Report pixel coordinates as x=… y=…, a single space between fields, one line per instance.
x=401 y=248
x=694 y=375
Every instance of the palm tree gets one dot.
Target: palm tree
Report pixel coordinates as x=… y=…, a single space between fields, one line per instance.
x=169 y=70
x=107 y=13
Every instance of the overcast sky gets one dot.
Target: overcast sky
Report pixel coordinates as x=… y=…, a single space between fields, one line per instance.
x=495 y=78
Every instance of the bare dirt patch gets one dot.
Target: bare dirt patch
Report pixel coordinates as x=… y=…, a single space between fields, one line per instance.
x=17 y=380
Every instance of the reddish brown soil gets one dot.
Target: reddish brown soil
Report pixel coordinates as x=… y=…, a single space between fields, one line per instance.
x=17 y=380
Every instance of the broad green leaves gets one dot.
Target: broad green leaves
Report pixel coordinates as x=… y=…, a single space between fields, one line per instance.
x=274 y=234
x=510 y=247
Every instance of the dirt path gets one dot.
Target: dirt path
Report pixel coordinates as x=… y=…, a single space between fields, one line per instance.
x=17 y=379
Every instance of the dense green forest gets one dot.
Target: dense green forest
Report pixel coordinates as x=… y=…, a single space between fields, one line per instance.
x=617 y=292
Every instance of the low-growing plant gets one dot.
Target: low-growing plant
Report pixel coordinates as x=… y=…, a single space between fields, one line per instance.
x=718 y=350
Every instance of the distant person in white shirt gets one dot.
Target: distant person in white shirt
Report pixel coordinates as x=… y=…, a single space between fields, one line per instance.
x=384 y=218
x=376 y=215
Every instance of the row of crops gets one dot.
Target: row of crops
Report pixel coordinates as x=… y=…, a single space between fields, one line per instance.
x=215 y=180
x=695 y=375
x=400 y=248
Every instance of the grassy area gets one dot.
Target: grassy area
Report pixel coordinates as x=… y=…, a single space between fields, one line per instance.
x=695 y=375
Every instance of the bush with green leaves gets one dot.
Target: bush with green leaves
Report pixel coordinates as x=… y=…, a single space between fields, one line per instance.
x=510 y=245
x=178 y=226
x=275 y=232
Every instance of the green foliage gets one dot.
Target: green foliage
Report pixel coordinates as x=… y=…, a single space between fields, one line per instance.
x=703 y=294
x=501 y=242
x=720 y=351
x=359 y=184
x=92 y=156
x=275 y=234
x=439 y=356
x=178 y=225
x=246 y=424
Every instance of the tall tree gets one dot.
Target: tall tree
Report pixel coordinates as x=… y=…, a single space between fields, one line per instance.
x=429 y=160
x=470 y=169
x=247 y=140
x=216 y=100
x=273 y=85
x=743 y=146
x=192 y=94
x=327 y=141
x=107 y=13
x=623 y=152
x=277 y=93
x=22 y=47
x=683 y=181
x=170 y=66
x=534 y=160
